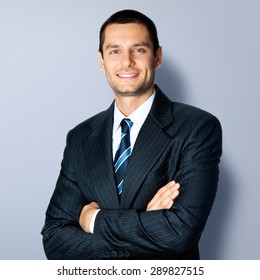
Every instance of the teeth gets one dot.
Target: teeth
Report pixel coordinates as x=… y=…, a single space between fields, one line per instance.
x=127 y=75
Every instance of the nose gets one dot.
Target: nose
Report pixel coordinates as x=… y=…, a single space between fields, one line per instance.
x=128 y=60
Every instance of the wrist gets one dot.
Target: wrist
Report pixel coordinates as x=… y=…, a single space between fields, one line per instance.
x=87 y=214
x=92 y=223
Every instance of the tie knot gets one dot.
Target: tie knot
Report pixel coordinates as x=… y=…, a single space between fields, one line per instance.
x=126 y=125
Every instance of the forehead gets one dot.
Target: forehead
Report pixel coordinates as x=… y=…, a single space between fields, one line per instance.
x=126 y=33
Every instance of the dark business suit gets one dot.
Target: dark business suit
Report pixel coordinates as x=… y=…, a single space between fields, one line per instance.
x=176 y=142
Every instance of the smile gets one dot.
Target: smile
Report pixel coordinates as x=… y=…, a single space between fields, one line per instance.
x=127 y=75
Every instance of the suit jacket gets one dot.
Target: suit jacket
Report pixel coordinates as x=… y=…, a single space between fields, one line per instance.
x=176 y=142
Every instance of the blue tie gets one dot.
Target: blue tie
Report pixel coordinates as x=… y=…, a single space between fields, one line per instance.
x=123 y=153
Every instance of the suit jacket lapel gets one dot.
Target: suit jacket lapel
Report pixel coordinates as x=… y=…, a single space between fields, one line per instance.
x=152 y=140
x=100 y=161
x=150 y=144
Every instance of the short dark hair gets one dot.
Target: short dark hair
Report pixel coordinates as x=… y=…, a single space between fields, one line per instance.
x=130 y=16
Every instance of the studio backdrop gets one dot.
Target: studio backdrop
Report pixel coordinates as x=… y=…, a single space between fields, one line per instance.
x=50 y=81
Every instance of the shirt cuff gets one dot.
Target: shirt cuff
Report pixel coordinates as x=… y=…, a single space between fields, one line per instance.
x=92 y=223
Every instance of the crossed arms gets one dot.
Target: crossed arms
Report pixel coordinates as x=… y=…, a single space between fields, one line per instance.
x=163 y=199
x=163 y=228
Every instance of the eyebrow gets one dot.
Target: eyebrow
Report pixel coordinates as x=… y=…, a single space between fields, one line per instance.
x=139 y=44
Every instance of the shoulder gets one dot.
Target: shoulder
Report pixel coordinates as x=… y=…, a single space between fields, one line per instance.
x=180 y=112
x=194 y=123
x=85 y=128
x=190 y=114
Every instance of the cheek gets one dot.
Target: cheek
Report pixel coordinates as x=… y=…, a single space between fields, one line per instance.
x=110 y=67
x=107 y=69
x=148 y=65
x=110 y=76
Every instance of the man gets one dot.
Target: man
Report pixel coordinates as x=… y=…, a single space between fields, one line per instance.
x=138 y=180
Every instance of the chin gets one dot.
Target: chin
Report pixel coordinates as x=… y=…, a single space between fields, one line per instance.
x=131 y=91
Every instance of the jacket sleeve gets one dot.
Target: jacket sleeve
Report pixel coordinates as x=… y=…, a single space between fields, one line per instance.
x=130 y=232
x=173 y=231
x=63 y=238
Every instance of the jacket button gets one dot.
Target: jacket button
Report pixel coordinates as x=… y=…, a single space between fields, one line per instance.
x=126 y=254
x=120 y=254
x=113 y=254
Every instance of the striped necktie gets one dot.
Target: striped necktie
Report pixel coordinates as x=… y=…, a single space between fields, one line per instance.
x=123 y=153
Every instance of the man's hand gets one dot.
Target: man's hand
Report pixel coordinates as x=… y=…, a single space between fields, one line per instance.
x=86 y=215
x=164 y=198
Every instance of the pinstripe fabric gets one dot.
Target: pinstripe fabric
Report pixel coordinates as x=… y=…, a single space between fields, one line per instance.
x=176 y=141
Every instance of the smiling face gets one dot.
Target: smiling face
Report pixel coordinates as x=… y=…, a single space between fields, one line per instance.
x=128 y=59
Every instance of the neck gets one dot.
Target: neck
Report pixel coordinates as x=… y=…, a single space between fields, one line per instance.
x=128 y=104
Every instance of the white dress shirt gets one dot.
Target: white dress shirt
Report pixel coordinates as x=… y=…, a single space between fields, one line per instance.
x=137 y=117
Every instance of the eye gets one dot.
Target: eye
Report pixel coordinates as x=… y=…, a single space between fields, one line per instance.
x=114 y=52
x=139 y=50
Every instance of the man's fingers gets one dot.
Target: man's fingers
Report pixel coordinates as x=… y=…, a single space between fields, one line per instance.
x=166 y=190
x=166 y=201
x=87 y=214
x=164 y=197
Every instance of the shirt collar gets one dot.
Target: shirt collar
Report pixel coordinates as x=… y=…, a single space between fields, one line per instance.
x=137 y=117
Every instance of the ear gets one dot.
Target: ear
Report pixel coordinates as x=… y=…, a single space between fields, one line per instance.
x=158 y=58
x=101 y=61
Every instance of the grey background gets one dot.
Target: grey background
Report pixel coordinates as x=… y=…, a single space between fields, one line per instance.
x=50 y=81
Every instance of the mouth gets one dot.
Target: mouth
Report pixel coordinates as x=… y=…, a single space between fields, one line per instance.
x=128 y=76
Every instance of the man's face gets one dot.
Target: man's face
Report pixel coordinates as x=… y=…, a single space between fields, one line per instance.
x=129 y=60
